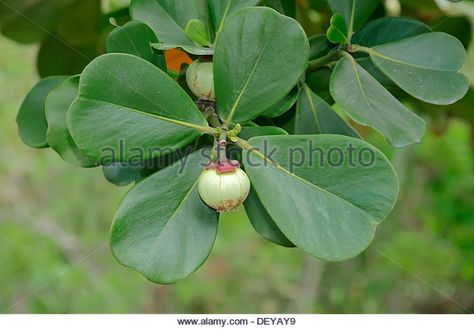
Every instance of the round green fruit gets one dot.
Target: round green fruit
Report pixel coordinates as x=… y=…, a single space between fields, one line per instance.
x=200 y=79
x=223 y=191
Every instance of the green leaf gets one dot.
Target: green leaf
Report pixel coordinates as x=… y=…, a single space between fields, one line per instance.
x=258 y=59
x=367 y=102
x=250 y=132
x=194 y=50
x=57 y=136
x=235 y=152
x=258 y=216
x=122 y=174
x=283 y=105
x=389 y=29
x=162 y=229
x=81 y=23
x=319 y=46
x=56 y=57
x=318 y=81
x=69 y=32
x=9 y=7
x=285 y=7
x=263 y=223
x=112 y=6
x=327 y=204
x=367 y=64
x=168 y=18
x=220 y=10
x=425 y=66
x=315 y=116
x=135 y=38
x=128 y=108
x=125 y=173
x=337 y=32
x=355 y=12
x=42 y=16
x=196 y=31
x=31 y=119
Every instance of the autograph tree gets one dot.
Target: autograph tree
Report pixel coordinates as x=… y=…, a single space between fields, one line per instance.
x=311 y=182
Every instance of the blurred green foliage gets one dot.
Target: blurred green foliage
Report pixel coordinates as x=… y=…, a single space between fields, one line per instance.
x=54 y=223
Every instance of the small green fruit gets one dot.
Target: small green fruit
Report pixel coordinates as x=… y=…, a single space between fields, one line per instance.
x=200 y=79
x=223 y=191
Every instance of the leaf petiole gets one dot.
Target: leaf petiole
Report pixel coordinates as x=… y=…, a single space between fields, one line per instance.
x=318 y=63
x=358 y=48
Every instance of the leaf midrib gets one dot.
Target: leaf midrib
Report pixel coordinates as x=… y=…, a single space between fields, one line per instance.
x=244 y=88
x=359 y=84
x=370 y=105
x=204 y=129
x=338 y=30
x=173 y=215
x=133 y=43
x=313 y=107
x=224 y=16
x=351 y=24
x=374 y=53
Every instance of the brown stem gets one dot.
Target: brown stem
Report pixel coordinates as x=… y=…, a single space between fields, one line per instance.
x=220 y=144
x=222 y=147
x=209 y=110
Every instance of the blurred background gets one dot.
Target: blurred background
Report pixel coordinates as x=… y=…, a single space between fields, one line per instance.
x=55 y=218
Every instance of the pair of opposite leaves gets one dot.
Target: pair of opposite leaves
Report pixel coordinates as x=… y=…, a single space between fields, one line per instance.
x=405 y=53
